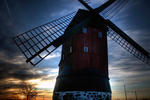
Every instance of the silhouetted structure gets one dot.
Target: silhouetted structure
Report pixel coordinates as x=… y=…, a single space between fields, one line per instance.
x=27 y=90
x=83 y=71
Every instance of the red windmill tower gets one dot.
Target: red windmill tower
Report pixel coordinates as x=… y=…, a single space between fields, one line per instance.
x=83 y=71
x=84 y=60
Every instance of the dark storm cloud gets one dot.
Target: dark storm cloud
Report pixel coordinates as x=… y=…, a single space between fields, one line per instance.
x=21 y=15
x=10 y=73
x=7 y=31
x=18 y=16
x=139 y=15
x=31 y=13
x=17 y=71
x=134 y=20
x=26 y=14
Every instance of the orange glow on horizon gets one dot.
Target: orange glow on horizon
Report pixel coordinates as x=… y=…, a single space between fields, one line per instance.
x=22 y=96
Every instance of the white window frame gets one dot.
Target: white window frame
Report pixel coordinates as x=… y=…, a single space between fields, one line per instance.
x=70 y=49
x=100 y=34
x=85 y=49
x=84 y=30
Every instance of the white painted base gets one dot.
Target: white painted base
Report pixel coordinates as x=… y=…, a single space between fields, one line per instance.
x=82 y=95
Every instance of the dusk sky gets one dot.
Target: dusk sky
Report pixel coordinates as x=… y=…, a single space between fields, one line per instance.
x=18 y=16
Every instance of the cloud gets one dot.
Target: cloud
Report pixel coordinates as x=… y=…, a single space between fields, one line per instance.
x=122 y=65
x=12 y=63
x=17 y=71
x=12 y=73
x=27 y=14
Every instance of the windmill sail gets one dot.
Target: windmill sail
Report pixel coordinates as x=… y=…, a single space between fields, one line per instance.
x=35 y=44
x=126 y=42
x=85 y=4
x=108 y=8
x=114 y=8
x=38 y=43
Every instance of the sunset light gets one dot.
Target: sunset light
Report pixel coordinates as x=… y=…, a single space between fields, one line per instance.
x=104 y=53
x=46 y=84
x=22 y=96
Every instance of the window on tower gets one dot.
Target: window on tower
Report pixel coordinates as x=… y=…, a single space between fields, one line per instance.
x=99 y=34
x=85 y=48
x=84 y=30
x=70 y=49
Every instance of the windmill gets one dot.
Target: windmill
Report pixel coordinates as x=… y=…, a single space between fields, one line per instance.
x=83 y=68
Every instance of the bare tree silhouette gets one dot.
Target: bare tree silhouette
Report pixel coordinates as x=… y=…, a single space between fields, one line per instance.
x=28 y=90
